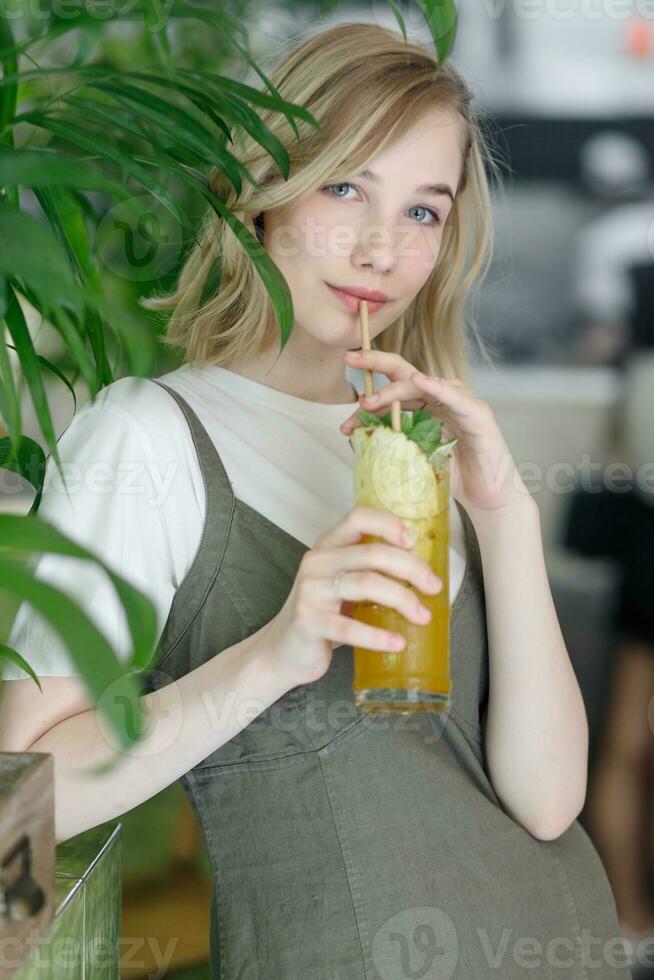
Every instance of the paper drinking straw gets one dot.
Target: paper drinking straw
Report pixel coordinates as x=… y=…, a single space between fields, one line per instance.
x=365 y=345
x=367 y=373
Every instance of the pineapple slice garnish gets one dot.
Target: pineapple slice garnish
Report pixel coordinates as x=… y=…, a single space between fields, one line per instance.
x=393 y=473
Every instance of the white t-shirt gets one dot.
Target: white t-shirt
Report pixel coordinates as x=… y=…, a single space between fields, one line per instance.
x=136 y=493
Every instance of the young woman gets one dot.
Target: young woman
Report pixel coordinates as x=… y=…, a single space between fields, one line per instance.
x=343 y=844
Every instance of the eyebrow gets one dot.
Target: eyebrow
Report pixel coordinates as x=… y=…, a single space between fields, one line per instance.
x=438 y=189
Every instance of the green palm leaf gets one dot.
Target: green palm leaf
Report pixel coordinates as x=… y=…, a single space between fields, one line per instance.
x=441 y=17
x=49 y=366
x=233 y=108
x=9 y=397
x=89 y=649
x=22 y=237
x=113 y=152
x=40 y=168
x=31 y=371
x=28 y=460
x=398 y=17
x=16 y=658
x=20 y=535
x=66 y=219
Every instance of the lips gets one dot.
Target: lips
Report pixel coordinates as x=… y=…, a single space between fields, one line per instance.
x=352 y=302
x=372 y=295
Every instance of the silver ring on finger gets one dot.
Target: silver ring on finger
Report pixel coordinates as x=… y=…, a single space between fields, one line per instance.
x=336 y=582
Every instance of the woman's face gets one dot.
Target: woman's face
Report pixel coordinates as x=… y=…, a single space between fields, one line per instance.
x=380 y=234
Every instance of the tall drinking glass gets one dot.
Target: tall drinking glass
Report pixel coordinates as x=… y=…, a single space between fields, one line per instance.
x=392 y=472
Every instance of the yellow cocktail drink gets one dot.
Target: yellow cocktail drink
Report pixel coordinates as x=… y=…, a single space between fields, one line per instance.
x=393 y=473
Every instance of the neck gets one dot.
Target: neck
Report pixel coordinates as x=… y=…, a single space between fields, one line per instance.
x=313 y=378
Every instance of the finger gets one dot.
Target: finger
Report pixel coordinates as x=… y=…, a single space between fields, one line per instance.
x=364 y=520
x=343 y=630
x=391 y=364
x=369 y=586
x=400 y=563
x=451 y=395
x=402 y=390
x=408 y=404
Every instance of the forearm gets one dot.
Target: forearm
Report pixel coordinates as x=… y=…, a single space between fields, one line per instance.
x=537 y=731
x=187 y=720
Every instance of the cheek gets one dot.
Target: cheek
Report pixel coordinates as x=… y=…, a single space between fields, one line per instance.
x=287 y=242
x=330 y=231
x=422 y=254
x=314 y=231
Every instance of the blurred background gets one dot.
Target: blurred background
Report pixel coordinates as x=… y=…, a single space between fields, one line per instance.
x=568 y=310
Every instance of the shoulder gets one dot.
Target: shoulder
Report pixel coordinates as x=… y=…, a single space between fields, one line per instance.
x=127 y=465
x=132 y=408
x=138 y=398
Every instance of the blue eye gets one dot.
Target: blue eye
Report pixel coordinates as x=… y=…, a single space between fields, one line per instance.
x=435 y=215
x=329 y=187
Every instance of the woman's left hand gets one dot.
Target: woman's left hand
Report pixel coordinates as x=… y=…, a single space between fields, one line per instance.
x=483 y=474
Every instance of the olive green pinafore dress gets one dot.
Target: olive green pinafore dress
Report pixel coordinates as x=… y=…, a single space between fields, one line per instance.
x=349 y=846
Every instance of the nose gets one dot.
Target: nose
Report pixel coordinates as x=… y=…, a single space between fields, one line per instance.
x=375 y=248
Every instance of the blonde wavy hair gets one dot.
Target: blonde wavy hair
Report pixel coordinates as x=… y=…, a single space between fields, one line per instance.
x=366 y=87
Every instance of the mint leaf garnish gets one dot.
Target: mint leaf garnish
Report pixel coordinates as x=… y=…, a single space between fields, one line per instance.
x=369 y=418
x=418 y=426
x=443 y=450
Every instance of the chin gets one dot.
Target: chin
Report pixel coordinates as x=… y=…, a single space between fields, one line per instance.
x=345 y=337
